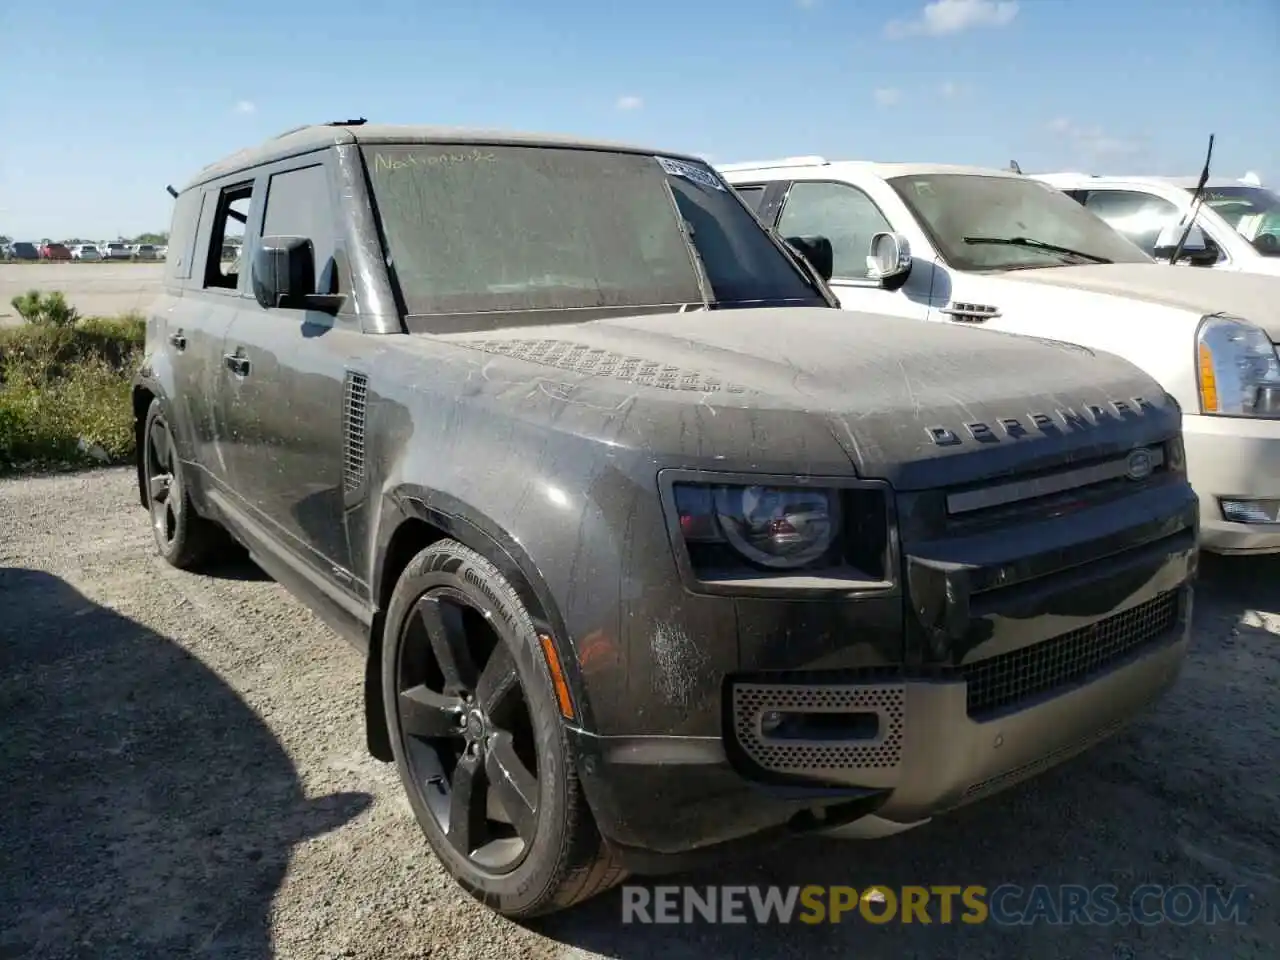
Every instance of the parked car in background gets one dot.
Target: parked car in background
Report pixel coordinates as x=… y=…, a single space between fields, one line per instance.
x=1239 y=222
x=55 y=251
x=115 y=250
x=995 y=249
x=162 y=252
x=650 y=550
x=22 y=250
x=143 y=251
x=85 y=251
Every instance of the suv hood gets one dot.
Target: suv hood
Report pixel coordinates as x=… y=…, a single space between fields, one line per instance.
x=920 y=404
x=1250 y=296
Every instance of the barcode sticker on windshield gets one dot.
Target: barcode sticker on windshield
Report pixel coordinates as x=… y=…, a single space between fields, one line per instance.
x=690 y=171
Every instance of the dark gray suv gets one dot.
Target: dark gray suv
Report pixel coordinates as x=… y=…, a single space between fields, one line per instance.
x=653 y=551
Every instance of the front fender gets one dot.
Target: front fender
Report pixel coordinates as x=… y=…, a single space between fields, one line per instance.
x=481 y=533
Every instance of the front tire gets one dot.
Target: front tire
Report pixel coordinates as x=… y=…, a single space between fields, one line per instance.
x=479 y=742
x=183 y=537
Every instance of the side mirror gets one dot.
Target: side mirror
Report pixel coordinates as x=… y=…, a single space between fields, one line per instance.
x=1197 y=250
x=889 y=257
x=284 y=276
x=818 y=251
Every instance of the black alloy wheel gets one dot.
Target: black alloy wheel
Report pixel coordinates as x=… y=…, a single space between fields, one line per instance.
x=183 y=537
x=480 y=741
x=467 y=731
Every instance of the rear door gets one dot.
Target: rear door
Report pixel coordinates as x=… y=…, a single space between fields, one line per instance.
x=289 y=375
x=196 y=322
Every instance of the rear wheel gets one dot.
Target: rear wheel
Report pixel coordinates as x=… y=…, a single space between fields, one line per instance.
x=183 y=537
x=479 y=742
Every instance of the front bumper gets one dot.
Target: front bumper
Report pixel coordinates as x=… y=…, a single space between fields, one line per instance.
x=669 y=802
x=1233 y=458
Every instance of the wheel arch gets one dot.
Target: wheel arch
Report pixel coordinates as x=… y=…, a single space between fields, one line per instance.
x=412 y=518
x=144 y=393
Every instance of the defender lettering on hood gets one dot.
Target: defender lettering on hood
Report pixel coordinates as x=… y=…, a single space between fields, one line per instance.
x=1064 y=419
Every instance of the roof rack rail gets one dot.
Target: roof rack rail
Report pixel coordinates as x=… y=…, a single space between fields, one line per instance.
x=780 y=162
x=359 y=121
x=305 y=126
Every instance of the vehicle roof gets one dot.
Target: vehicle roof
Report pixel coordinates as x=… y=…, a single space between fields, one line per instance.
x=875 y=168
x=1187 y=183
x=318 y=136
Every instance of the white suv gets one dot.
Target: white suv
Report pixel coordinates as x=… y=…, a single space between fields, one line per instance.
x=996 y=249
x=1238 y=221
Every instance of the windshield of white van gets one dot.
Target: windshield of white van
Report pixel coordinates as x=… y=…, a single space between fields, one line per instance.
x=1253 y=212
x=1009 y=223
x=507 y=229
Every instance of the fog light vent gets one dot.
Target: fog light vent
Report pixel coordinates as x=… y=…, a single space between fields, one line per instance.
x=1251 y=511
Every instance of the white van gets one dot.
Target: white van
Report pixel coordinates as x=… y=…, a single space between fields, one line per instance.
x=1238 y=222
x=997 y=249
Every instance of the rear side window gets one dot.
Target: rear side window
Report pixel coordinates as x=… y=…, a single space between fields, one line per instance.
x=752 y=195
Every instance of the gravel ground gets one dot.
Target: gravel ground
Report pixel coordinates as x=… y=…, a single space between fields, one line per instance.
x=184 y=775
x=95 y=289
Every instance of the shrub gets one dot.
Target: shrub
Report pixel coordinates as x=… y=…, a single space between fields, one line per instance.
x=64 y=392
x=48 y=309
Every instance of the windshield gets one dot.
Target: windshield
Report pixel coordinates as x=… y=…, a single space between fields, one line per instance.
x=951 y=206
x=1253 y=212
x=512 y=228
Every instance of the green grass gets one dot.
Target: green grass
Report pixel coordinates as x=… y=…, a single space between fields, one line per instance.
x=63 y=383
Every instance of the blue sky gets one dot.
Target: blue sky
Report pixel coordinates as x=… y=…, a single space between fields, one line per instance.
x=125 y=97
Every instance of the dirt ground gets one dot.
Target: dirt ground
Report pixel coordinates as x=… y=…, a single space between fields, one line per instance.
x=95 y=289
x=184 y=775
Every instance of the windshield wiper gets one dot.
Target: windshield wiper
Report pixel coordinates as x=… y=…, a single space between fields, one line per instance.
x=1038 y=245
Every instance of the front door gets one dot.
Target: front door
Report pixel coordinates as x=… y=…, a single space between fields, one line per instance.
x=285 y=371
x=849 y=218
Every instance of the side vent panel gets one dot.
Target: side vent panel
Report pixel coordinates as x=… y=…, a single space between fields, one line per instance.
x=355 y=393
x=971 y=312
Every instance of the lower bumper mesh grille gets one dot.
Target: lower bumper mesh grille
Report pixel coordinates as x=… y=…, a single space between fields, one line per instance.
x=752 y=701
x=1005 y=679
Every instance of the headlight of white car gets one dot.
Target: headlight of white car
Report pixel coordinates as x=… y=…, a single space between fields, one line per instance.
x=1237 y=369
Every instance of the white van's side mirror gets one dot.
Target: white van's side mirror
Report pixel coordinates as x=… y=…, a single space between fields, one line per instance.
x=889 y=257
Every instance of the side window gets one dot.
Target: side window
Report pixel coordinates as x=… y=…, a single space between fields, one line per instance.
x=222 y=265
x=188 y=212
x=1138 y=216
x=299 y=205
x=841 y=213
x=752 y=194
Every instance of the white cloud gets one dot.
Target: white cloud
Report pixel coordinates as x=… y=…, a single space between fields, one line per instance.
x=942 y=17
x=953 y=90
x=887 y=96
x=1092 y=142
x=245 y=106
x=629 y=103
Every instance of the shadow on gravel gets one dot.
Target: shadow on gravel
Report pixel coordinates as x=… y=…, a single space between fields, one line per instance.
x=1186 y=795
x=233 y=563
x=145 y=809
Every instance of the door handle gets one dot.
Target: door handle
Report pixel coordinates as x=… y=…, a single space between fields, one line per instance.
x=238 y=363
x=178 y=340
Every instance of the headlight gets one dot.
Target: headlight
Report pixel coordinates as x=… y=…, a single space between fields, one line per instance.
x=1237 y=369
x=776 y=527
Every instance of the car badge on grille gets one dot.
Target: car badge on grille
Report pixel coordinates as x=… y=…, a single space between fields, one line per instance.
x=1139 y=466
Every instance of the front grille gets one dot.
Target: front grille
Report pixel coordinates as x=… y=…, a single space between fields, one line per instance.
x=752 y=701
x=1005 y=679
